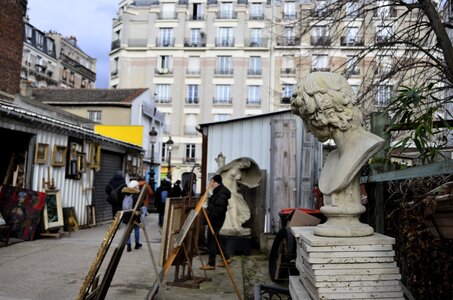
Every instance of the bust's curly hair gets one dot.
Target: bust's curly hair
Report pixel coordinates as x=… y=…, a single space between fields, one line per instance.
x=326 y=99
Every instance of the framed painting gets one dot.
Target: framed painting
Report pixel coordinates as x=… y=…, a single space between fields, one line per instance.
x=41 y=153
x=59 y=156
x=81 y=162
x=53 y=210
x=95 y=156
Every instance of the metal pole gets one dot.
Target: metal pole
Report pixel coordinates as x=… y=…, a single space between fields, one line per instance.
x=151 y=170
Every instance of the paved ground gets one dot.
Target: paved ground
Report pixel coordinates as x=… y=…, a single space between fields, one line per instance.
x=56 y=269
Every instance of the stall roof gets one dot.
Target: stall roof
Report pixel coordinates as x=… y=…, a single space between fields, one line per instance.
x=122 y=97
x=246 y=118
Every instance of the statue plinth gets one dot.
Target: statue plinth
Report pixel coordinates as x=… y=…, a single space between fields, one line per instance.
x=235 y=232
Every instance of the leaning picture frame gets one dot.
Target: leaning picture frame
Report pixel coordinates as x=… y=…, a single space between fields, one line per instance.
x=81 y=162
x=53 y=210
x=41 y=153
x=59 y=156
x=95 y=156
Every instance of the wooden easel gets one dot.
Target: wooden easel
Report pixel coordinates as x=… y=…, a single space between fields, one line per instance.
x=182 y=235
x=56 y=232
x=91 y=288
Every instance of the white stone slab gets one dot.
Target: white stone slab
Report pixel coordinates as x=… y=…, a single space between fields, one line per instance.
x=353 y=266
x=351 y=254
x=360 y=289
x=346 y=260
x=355 y=272
x=351 y=248
x=297 y=289
x=306 y=234
x=383 y=295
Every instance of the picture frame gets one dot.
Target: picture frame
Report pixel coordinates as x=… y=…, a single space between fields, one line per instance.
x=41 y=153
x=95 y=156
x=53 y=210
x=81 y=162
x=59 y=156
x=177 y=211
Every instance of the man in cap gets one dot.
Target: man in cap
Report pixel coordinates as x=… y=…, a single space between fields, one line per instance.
x=217 y=208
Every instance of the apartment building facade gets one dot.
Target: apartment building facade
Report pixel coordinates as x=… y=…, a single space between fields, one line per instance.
x=50 y=60
x=212 y=60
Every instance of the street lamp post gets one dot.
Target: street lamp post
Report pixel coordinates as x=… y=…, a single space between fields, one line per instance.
x=152 y=140
x=169 y=147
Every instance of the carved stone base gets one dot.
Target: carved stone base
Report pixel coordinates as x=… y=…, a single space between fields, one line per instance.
x=343 y=226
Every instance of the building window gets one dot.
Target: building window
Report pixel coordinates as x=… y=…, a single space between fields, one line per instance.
x=197 y=11
x=225 y=37
x=114 y=66
x=320 y=36
x=320 y=63
x=254 y=97
x=351 y=36
x=254 y=65
x=352 y=9
x=384 y=93
x=192 y=94
x=287 y=92
x=50 y=46
x=164 y=64
x=165 y=38
x=385 y=63
x=190 y=153
x=223 y=94
x=193 y=65
x=191 y=124
x=166 y=124
x=221 y=117
x=95 y=115
x=384 y=34
x=168 y=11
x=289 y=10
x=352 y=67
x=289 y=36
x=224 y=65
x=195 y=37
x=39 y=40
x=321 y=8
x=28 y=33
x=64 y=75
x=226 y=10
x=288 y=64
x=256 y=11
x=255 y=37
x=163 y=93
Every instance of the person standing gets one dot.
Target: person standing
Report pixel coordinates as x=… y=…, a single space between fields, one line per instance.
x=131 y=192
x=176 y=191
x=113 y=191
x=216 y=211
x=148 y=194
x=163 y=193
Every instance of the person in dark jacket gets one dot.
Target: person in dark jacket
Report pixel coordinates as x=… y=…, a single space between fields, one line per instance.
x=176 y=190
x=217 y=208
x=161 y=195
x=116 y=183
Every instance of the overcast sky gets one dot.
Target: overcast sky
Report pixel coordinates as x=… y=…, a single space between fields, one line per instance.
x=89 y=20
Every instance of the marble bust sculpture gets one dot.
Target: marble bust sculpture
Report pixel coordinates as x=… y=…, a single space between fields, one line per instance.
x=243 y=171
x=327 y=105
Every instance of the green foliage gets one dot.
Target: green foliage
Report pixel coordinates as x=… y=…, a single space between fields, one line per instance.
x=413 y=111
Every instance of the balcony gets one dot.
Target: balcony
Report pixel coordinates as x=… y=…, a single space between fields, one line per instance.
x=288 y=41
x=224 y=72
x=352 y=72
x=320 y=40
x=227 y=15
x=385 y=12
x=257 y=17
x=183 y=2
x=193 y=72
x=163 y=99
x=163 y=71
x=192 y=100
x=289 y=16
x=320 y=69
x=212 y=2
x=254 y=72
x=285 y=100
x=190 y=43
x=40 y=68
x=165 y=42
x=350 y=41
x=253 y=101
x=259 y=42
x=196 y=18
x=223 y=42
x=226 y=101
x=384 y=39
x=243 y=2
x=288 y=71
x=116 y=44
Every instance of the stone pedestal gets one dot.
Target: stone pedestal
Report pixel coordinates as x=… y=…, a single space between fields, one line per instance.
x=345 y=268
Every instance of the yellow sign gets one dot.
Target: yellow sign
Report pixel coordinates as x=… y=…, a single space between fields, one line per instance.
x=129 y=134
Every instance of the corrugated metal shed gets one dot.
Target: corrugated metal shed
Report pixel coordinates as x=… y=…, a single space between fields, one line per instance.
x=278 y=142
